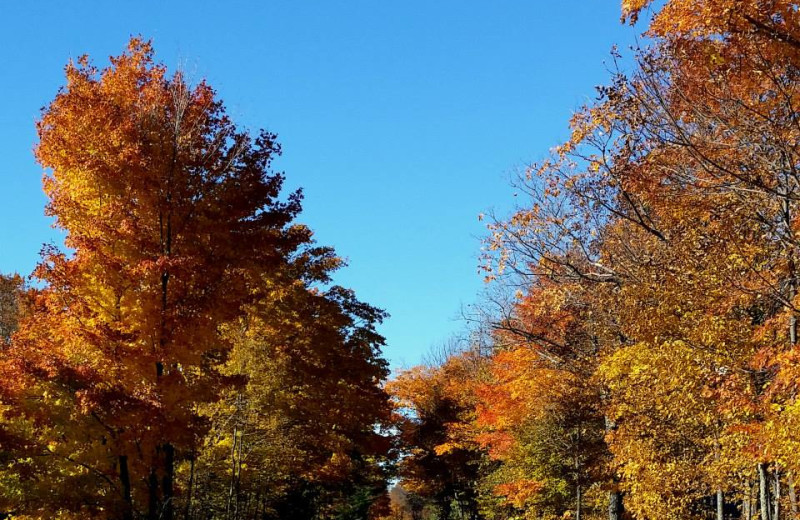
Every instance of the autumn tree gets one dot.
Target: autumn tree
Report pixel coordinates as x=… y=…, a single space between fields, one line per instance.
x=304 y=436
x=652 y=264
x=441 y=461
x=539 y=411
x=174 y=227
x=11 y=304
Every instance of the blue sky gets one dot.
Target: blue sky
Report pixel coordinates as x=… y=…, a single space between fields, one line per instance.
x=401 y=120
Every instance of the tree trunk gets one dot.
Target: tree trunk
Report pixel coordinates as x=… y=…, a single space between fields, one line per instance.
x=232 y=485
x=238 y=477
x=167 y=482
x=615 y=505
x=257 y=505
x=791 y=268
x=125 y=480
x=152 y=488
x=777 y=498
x=615 y=508
x=578 y=502
x=747 y=502
x=792 y=343
x=190 y=491
x=720 y=505
x=446 y=508
x=763 y=488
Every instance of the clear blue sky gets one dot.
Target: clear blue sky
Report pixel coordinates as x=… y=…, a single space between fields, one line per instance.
x=401 y=120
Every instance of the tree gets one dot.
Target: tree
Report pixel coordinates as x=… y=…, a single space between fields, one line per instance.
x=441 y=463
x=305 y=436
x=172 y=217
x=11 y=305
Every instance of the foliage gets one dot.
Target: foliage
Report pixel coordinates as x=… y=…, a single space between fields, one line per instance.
x=180 y=350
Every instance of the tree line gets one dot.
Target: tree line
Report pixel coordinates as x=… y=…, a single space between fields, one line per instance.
x=638 y=350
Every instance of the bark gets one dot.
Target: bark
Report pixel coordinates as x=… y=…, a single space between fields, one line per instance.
x=125 y=480
x=578 y=479
x=152 y=488
x=167 y=482
x=246 y=507
x=615 y=508
x=763 y=488
x=747 y=511
x=446 y=509
x=232 y=486
x=777 y=498
x=238 y=477
x=749 y=504
x=792 y=343
x=187 y=513
x=615 y=505
x=720 y=498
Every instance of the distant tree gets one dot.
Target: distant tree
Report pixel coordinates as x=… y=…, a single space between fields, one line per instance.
x=11 y=287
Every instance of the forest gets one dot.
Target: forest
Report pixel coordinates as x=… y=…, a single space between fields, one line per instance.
x=187 y=354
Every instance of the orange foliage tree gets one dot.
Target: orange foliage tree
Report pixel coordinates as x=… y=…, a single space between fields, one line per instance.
x=179 y=246
x=658 y=246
